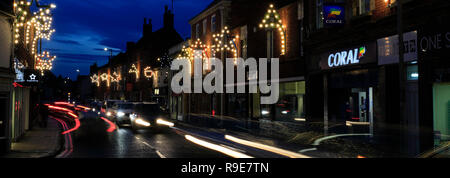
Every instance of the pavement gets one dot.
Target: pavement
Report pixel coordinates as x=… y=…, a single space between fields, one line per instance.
x=38 y=142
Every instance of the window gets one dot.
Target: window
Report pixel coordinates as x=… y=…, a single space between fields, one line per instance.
x=363 y=7
x=204 y=26
x=213 y=23
x=319 y=14
x=197 y=30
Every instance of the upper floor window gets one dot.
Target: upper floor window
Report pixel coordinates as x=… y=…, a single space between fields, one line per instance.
x=363 y=7
x=213 y=23
x=204 y=26
x=197 y=30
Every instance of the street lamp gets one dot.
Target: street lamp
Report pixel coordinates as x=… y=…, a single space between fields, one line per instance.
x=110 y=52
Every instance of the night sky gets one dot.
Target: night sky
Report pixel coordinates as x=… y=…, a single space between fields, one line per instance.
x=85 y=27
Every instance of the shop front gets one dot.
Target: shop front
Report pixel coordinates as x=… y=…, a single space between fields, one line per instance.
x=434 y=81
x=349 y=83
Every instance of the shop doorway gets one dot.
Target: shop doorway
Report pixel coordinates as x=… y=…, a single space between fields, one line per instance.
x=352 y=106
x=441 y=112
x=4 y=115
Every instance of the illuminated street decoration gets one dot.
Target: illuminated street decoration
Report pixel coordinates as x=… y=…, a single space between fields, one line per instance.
x=95 y=79
x=42 y=21
x=222 y=42
x=186 y=53
x=44 y=61
x=22 y=11
x=115 y=77
x=135 y=71
x=148 y=73
x=105 y=77
x=272 y=21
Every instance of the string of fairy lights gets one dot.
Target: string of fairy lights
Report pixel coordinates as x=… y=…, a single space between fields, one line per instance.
x=272 y=21
x=32 y=27
x=223 y=41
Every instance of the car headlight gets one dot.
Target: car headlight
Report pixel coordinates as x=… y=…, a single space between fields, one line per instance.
x=163 y=122
x=93 y=109
x=108 y=114
x=120 y=114
x=264 y=112
x=142 y=122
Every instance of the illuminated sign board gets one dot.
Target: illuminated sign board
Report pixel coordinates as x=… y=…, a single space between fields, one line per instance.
x=434 y=42
x=388 y=48
x=333 y=14
x=351 y=56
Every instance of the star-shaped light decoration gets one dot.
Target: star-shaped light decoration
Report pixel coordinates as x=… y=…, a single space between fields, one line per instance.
x=95 y=79
x=32 y=77
x=44 y=61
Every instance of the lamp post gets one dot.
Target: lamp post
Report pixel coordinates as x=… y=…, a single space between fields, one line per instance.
x=110 y=53
x=272 y=22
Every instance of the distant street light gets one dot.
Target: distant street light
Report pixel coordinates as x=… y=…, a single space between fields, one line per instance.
x=110 y=53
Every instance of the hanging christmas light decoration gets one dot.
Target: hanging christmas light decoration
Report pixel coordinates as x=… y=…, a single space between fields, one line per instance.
x=135 y=71
x=115 y=78
x=42 y=21
x=95 y=79
x=22 y=11
x=186 y=53
x=148 y=73
x=44 y=61
x=105 y=77
x=222 y=42
x=272 y=21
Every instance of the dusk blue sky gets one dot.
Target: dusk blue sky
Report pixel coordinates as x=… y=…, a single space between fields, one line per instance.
x=85 y=27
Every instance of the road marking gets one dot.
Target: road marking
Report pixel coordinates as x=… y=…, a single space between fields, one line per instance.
x=308 y=149
x=145 y=143
x=317 y=142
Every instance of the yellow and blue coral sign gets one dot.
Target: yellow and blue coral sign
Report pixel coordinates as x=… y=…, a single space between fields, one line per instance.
x=333 y=14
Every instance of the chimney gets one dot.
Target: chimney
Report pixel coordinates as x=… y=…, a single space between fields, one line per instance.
x=168 y=18
x=147 y=27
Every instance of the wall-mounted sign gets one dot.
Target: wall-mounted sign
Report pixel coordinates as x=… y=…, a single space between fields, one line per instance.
x=434 y=42
x=333 y=14
x=32 y=78
x=388 y=48
x=27 y=77
x=351 y=56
